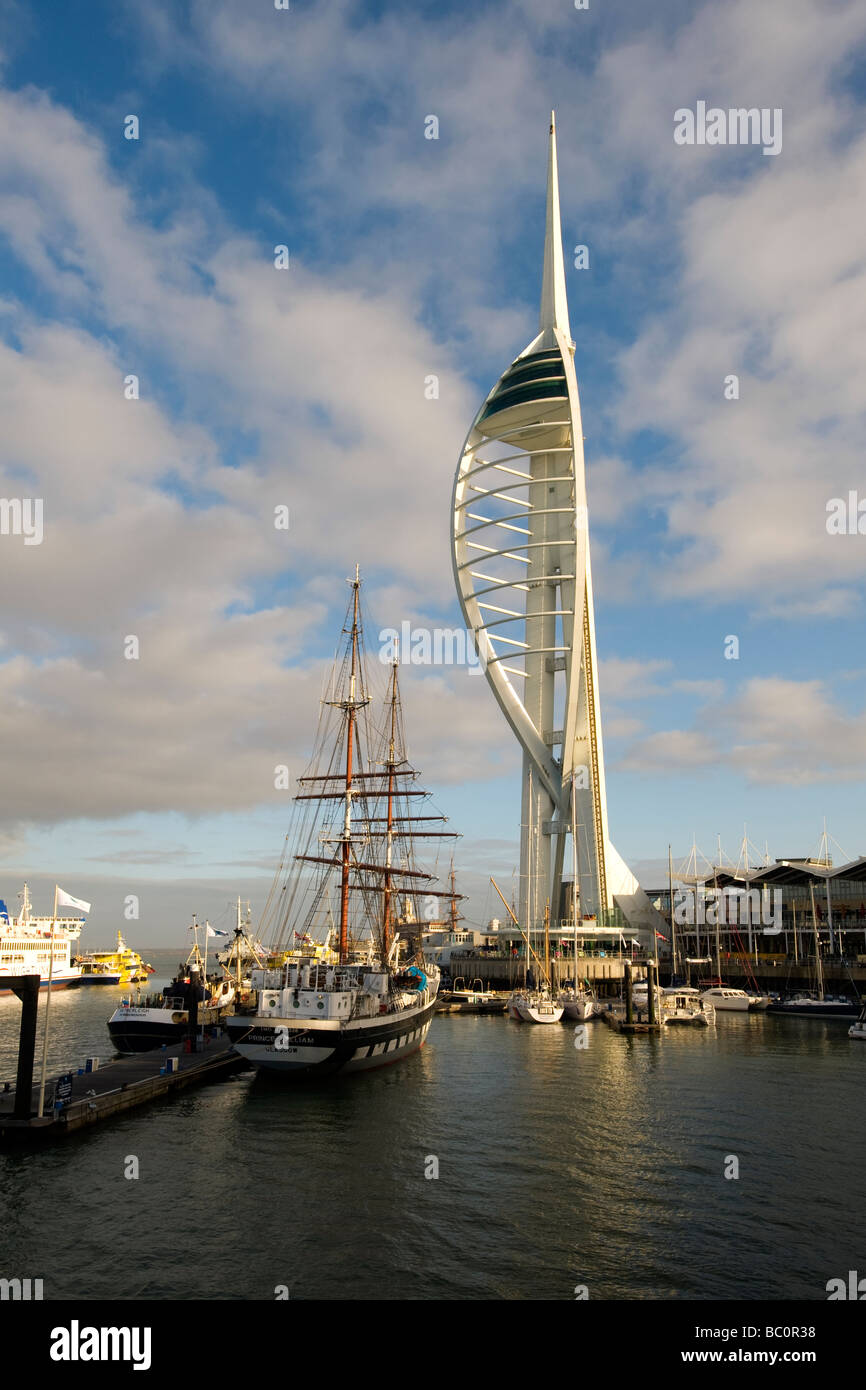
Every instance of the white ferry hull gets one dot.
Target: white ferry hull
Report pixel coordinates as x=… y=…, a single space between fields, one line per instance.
x=66 y=980
x=40 y=946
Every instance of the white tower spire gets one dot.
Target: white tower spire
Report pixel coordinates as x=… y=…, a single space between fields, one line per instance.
x=521 y=565
x=554 y=305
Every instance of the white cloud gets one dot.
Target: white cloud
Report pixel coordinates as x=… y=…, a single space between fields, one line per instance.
x=774 y=731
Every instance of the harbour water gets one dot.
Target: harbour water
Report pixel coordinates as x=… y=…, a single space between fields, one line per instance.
x=558 y=1167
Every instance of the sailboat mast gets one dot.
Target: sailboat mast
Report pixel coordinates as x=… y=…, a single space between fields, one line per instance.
x=819 y=969
x=347 y=818
x=547 y=942
x=575 y=873
x=673 y=924
x=238 y=945
x=513 y=916
x=530 y=893
x=718 y=915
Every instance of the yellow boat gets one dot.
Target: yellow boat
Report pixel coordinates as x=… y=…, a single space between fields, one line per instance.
x=123 y=966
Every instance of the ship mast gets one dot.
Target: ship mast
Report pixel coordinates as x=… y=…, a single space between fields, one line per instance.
x=359 y=791
x=389 y=829
x=350 y=706
x=455 y=917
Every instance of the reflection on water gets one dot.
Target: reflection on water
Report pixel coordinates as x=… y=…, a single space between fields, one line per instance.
x=557 y=1166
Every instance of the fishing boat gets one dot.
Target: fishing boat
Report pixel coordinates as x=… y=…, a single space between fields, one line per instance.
x=683 y=1006
x=353 y=826
x=38 y=946
x=191 y=1001
x=243 y=956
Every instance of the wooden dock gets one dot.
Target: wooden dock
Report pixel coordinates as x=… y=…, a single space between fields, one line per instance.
x=615 y=1018
x=119 y=1086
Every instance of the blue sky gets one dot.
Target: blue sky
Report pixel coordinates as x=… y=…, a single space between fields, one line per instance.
x=305 y=387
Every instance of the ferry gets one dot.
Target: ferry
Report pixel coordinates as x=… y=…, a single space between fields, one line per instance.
x=27 y=944
x=122 y=966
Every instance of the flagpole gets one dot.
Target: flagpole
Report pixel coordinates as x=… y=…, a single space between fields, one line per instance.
x=47 y=1007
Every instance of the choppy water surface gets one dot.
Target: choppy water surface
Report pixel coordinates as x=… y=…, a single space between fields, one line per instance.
x=557 y=1167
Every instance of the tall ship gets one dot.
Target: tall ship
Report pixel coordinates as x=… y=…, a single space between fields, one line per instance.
x=28 y=943
x=353 y=990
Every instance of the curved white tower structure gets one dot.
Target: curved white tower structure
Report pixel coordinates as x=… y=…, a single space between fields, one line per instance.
x=521 y=565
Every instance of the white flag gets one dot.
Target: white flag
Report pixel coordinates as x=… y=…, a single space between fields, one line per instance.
x=66 y=900
x=210 y=930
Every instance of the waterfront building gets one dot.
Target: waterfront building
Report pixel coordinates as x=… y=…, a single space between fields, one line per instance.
x=771 y=913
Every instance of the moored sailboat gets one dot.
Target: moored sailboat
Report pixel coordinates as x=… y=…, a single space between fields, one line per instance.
x=532 y=1003
x=858 y=1029
x=816 y=1003
x=578 y=1001
x=372 y=1004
